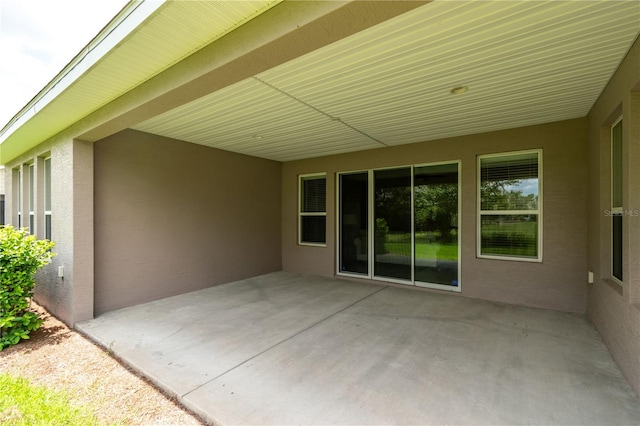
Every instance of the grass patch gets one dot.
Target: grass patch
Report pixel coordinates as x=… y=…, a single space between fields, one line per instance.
x=22 y=403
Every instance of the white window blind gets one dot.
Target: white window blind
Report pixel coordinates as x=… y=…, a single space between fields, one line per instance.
x=312 y=217
x=616 y=201
x=47 y=198
x=510 y=205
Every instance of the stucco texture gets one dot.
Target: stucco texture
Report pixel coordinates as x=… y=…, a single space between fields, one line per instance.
x=173 y=217
x=614 y=307
x=558 y=282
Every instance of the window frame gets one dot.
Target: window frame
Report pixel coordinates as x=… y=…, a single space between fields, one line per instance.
x=538 y=212
x=338 y=228
x=17 y=187
x=47 y=189
x=302 y=214
x=371 y=227
x=32 y=198
x=617 y=211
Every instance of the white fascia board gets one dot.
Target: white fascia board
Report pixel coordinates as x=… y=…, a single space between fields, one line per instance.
x=132 y=16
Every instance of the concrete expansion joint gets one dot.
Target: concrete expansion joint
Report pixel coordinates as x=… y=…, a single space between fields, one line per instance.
x=283 y=341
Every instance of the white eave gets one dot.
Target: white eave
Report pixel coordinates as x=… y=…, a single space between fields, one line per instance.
x=144 y=39
x=385 y=83
x=132 y=15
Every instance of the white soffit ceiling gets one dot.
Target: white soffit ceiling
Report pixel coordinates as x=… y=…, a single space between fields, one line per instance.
x=176 y=30
x=524 y=62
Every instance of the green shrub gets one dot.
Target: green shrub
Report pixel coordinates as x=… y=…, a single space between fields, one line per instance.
x=21 y=255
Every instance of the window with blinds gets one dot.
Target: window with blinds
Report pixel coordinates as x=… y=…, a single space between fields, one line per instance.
x=17 y=190
x=616 y=200
x=312 y=214
x=32 y=197
x=510 y=199
x=47 y=198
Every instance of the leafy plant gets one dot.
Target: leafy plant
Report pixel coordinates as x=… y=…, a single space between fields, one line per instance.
x=21 y=255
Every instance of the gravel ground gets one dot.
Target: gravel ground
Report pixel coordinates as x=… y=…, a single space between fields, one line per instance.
x=62 y=359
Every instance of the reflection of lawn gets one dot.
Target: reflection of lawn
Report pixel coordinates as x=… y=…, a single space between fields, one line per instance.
x=517 y=238
x=425 y=250
x=400 y=244
x=529 y=228
x=511 y=251
x=437 y=251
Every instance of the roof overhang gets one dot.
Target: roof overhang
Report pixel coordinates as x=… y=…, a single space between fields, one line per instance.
x=143 y=40
x=295 y=80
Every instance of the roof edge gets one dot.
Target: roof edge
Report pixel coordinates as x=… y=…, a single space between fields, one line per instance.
x=131 y=16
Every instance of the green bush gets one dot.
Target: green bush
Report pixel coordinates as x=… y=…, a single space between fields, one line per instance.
x=21 y=255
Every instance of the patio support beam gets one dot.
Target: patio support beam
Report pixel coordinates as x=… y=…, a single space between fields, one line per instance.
x=261 y=44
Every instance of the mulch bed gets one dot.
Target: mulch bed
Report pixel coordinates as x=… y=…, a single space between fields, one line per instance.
x=62 y=359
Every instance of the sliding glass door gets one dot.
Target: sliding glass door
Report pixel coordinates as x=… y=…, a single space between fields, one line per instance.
x=436 y=224
x=401 y=225
x=392 y=215
x=353 y=214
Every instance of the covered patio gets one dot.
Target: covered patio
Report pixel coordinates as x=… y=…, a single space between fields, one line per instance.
x=289 y=348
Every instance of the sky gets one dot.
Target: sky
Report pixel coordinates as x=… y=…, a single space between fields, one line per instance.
x=38 y=38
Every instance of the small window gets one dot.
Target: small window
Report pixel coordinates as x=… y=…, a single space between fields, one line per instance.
x=616 y=200
x=47 y=198
x=32 y=196
x=17 y=190
x=312 y=221
x=510 y=205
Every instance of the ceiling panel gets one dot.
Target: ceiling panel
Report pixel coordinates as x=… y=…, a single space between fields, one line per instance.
x=525 y=63
x=252 y=118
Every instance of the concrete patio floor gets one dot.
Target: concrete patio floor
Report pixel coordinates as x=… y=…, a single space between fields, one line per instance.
x=287 y=348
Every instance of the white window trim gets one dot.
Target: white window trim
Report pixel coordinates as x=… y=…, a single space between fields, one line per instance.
x=615 y=210
x=302 y=214
x=32 y=198
x=537 y=212
x=46 y=183
x=18 y=198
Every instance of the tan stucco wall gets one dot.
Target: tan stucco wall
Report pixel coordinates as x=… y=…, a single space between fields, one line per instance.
x=70 y=298
x=615 y=308
x=559 y=282
x=173 y=217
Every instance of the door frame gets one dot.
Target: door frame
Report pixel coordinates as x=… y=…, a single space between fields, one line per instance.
x=371 y=227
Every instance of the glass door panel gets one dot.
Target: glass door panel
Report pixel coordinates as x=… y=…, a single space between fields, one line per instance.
x=392 y=223
x=436 y=236
x=354 y=223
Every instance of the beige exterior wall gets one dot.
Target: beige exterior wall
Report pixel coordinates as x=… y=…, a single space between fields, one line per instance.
x=70 y=297
x=173 y=217
x=614 y=307
x=559 y=282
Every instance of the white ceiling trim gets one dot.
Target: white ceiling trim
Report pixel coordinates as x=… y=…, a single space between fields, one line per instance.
x=525 y=63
